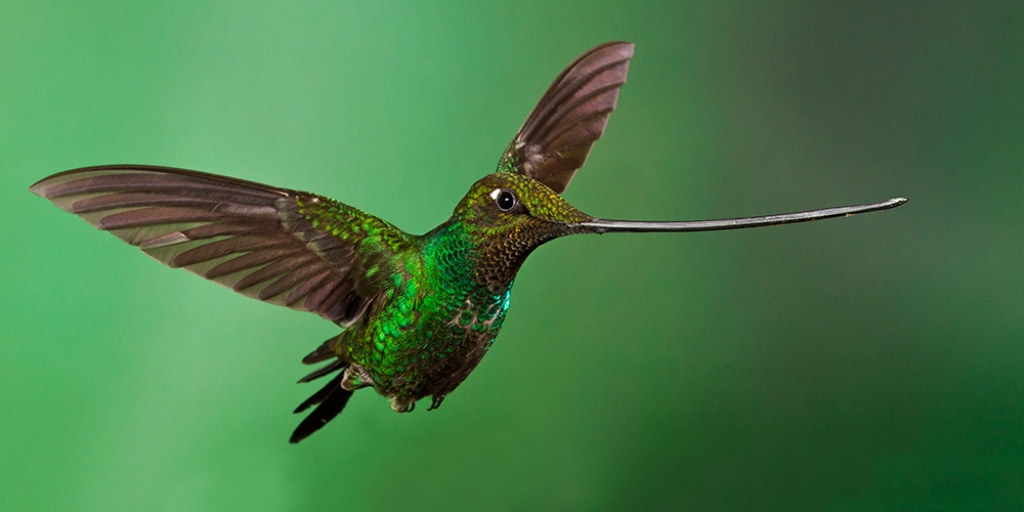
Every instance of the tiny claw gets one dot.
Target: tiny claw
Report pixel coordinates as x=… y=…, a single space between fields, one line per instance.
x=435 y=401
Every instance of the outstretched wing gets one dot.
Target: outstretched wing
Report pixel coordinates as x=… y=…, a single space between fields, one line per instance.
x=281 y=246
x=557 y=136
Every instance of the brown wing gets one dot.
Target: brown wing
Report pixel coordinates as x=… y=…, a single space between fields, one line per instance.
x=557 y=136
x=259 y=240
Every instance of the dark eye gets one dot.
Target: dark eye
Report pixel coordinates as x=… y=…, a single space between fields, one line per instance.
x=506 y=200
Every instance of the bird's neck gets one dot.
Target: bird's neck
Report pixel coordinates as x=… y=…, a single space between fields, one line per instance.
x=459 y=257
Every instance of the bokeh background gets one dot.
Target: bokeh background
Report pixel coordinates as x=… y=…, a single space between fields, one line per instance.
x=873 y=363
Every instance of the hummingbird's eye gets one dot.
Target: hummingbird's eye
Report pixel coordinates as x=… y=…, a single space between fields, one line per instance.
x=505 y=199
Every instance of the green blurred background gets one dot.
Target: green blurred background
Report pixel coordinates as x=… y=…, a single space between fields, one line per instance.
x=857 y=364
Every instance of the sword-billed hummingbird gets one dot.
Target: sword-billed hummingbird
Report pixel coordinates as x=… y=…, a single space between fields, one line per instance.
x=417 y=312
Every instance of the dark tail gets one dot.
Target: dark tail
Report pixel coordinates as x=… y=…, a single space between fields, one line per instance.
x=332 y=397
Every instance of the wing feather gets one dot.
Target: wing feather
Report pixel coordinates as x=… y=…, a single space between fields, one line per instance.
x=557 y=136
x=251 y=237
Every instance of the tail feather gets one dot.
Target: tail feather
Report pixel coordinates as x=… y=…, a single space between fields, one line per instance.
x=338 y=364
x=322 y=353
x=332 y=399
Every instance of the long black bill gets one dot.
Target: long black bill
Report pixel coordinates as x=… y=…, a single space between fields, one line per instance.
x=606 y=226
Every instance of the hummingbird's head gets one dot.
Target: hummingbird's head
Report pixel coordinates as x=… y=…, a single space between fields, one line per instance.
x=507 y=216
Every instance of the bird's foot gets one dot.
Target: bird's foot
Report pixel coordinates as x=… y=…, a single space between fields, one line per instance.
x=435 y=402
x=402 y=404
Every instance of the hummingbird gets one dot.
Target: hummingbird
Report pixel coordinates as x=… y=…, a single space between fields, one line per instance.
x=417 y=312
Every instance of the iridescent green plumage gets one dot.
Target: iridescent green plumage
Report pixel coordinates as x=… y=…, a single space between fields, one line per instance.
x=418 y=312
x=448 y=294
